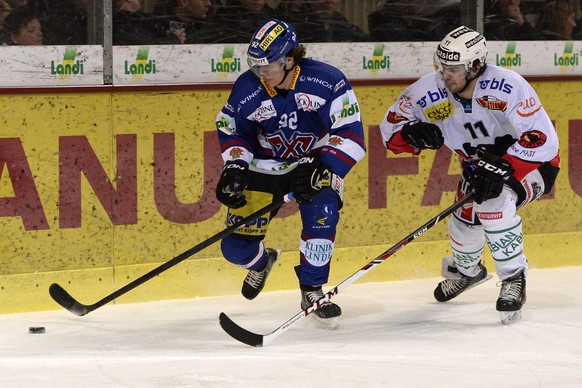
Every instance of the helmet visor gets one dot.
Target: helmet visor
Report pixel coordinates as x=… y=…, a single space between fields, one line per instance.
x=255 y=64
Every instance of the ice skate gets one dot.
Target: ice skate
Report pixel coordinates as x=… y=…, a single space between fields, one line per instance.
x=511 y=298
x=452 y=287
x=255 y=280
x=328 y=313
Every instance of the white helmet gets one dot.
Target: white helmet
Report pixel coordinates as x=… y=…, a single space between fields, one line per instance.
x=462 y=46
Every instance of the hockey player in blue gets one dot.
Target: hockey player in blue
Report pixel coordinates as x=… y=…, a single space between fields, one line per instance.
x=289 y=124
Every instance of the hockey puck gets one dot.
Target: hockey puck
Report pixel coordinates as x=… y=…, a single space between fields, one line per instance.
x=36 y=330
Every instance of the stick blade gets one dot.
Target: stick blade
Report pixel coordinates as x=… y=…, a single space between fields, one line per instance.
x=238 y=333
x=62 y=297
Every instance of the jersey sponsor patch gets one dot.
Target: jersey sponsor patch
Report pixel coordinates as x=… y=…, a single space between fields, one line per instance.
x=532 y=139
x=225 y=124
x=395 y=118
x=492 y=103
x=495 y=84
x=339 y=86
x=271 y=90
x=440 y=112
x=264 y=112
x=528 y=107
x=317 y=251
x=309 y=102
x=490 y=215
x=344 y=110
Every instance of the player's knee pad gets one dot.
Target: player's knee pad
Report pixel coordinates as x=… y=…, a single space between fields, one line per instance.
x=244 y=253
x=321 y=216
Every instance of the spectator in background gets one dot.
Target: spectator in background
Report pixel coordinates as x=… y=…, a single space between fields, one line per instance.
x=399 y=20
x=292 y=11
x=17 y=3
x=325 y=23
x=132 y=26
x=41 y=9
x=556 y=20
x=5 y=10
x=412 y=20
x=67 y=23
x=23 y=28
x=193 y=17
x=504 y=20
x=239 y=18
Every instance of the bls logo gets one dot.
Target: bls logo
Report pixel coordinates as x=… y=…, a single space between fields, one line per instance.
x=496 y=85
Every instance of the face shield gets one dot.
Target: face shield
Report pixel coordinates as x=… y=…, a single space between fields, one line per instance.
x=255 y=64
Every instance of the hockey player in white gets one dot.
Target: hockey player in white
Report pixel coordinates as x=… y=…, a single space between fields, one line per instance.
x=494 y=121
x=290 y=123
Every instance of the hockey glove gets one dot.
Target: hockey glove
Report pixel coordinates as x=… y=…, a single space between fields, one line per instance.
x=489 y=176
x=423 y=135
x=305 y=183
x=234 y=178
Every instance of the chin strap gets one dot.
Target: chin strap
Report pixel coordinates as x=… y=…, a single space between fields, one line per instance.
x=287 y=71
x=468 y=79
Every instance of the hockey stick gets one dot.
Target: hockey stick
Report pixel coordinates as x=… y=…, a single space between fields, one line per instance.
x=65 y=299
x=258 y=340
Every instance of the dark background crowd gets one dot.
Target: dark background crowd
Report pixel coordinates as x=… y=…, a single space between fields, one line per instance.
x=138 y=22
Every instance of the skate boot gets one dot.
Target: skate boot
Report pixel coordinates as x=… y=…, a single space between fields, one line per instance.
x=511 y=298
x=452 y=287
x=328 y=313
x=255 y=280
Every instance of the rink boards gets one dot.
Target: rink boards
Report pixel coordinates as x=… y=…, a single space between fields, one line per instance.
x=99 y=186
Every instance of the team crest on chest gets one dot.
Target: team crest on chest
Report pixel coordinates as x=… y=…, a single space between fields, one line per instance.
x=492 y=103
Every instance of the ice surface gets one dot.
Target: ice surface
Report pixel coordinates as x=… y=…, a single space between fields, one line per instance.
x=392 y=334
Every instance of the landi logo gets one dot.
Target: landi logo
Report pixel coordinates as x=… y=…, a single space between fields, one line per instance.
x=228 y=63
x=68 y=65
x=349 y=109
x=379 y=61
x=511 y=58
x=568 y=59
x=141 y=66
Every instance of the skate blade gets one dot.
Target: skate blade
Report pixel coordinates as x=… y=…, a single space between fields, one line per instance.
x=509 y=317
x=325 y=323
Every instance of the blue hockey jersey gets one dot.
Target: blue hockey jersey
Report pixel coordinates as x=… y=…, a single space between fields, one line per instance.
x=270 y=129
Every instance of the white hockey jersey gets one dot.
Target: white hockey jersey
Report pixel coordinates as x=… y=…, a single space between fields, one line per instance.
x=505 y=116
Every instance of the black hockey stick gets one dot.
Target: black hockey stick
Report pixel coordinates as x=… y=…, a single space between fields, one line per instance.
x=65 y=299
x=258 y=340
